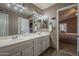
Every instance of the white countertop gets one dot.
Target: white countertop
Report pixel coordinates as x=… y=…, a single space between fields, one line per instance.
x=20 y=38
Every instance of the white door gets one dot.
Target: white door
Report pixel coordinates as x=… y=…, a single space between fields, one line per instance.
x=3 y=24
x=23 y=26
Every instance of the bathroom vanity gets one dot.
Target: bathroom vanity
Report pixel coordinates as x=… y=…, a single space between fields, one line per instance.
x=25 y=45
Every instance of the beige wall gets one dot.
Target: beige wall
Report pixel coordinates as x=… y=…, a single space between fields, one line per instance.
x=13 y=23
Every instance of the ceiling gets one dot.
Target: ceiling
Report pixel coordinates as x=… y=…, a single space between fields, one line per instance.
x=43 y=6
x=11 y=8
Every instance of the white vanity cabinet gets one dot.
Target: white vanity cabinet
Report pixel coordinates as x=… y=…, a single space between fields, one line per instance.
x=37 y=46
x=41 y=44
x=44 y=43
x=48 y=41
x=27 y=51
x=27 y=48
x=20 y=49
x=12 y=50
x=32 y=47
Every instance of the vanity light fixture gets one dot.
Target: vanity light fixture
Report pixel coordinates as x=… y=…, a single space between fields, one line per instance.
x=16 y=6
x=39 y=16
x=21 y=10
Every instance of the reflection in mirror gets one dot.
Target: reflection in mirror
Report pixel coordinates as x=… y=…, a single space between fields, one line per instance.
x=4 y=22
x=16 y=22
x=40 y=22
x=23 y=26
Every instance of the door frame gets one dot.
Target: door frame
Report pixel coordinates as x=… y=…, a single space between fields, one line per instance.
x=61 y=9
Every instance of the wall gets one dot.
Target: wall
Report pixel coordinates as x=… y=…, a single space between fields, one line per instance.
x=13 y=23
x=71 y=24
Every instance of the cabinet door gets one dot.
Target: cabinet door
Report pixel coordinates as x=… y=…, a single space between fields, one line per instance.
x=27 y=51
x=37 y=46
x=48 y=44
x=44 y=44
x=16 y=54
x=27 y=48
x=11 y=50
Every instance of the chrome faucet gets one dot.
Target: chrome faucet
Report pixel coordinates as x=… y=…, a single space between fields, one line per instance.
x=15 y=37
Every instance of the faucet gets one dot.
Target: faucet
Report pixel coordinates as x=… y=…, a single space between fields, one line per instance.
x=15 y=37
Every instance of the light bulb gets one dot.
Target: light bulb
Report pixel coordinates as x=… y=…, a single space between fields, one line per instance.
x=15 y=8
x=8 y=5
x=23 y=7
x=21 y=10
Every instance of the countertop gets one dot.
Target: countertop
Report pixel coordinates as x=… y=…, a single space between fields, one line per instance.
x=5 y=41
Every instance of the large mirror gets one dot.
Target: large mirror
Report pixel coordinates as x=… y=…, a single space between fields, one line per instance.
x=13 y=26
x=14 y=21
x=40 y=22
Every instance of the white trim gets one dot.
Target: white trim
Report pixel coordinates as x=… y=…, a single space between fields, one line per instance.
x=64 y=8
x=77 y=29
x=57 y=31
x=19 y=27
x=7 y=16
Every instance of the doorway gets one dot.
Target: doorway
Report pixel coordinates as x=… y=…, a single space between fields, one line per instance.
x=67 y=29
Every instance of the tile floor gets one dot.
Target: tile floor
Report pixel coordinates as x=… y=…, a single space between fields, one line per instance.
x=65 y=50
x=53 y=52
